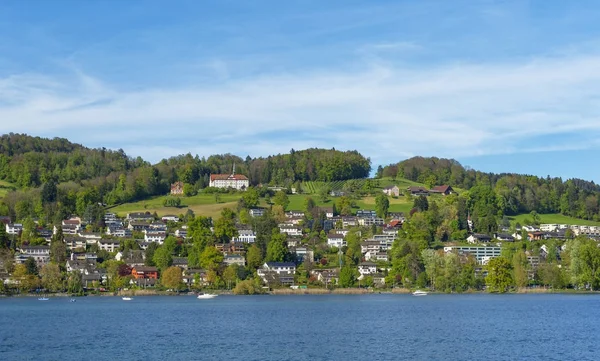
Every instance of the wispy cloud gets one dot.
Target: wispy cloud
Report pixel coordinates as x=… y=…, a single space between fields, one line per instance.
x=385 y=112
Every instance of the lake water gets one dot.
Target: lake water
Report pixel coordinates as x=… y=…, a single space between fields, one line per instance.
x=369 y=327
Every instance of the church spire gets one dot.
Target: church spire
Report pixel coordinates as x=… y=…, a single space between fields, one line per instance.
x=233 y=172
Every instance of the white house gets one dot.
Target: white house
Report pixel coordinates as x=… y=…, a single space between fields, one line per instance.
x=335 y=240
x=481 y=253
x=155 y=236
x=236 y=181
x=291 y=230
x=41 y=254
x=245 y=236
x=170 y=218
x=284 y=270
x=392 y=191
x=109 y=245
x=367 y=268
x=230 y=259
x=14 y=228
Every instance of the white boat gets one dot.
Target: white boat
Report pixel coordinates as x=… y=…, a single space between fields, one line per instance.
x=43 y=299
x=127 y=298
x=73 y=300
x=206 y=296
x=419 y=293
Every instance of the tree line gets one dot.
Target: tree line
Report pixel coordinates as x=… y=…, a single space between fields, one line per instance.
x=514 y=193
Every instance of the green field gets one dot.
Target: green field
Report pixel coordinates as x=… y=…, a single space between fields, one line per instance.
x=202 y=204
x=554 y=218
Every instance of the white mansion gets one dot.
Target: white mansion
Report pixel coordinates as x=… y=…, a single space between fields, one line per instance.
x=237 y=181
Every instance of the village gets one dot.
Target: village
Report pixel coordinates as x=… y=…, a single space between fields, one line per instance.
x=319 y=256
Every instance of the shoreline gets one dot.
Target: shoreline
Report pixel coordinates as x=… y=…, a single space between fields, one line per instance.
x=297 y=292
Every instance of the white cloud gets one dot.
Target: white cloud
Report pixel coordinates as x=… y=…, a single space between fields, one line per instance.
x=385 y=112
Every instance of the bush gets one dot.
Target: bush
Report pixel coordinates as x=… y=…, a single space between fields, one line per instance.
x=172 y=202
x=247 y=287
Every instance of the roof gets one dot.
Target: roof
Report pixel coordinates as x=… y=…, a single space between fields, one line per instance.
x=214 y=177
x=335 y=235
x=281 y=264
x=368 y=264
x=391 y=187
x=441 y=189
x=417 y=189
x=145 y=269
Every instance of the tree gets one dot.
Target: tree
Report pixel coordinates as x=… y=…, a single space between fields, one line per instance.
x=520 y=267
x=51 y=277
x=382 y=205
x=162 y=257
x=31 y=266
x=26 y=281
x=347 y=276
x=499 y=278
x=225 y=228
x=421 y=203
x=324 y=194
x=277 y=249
x=281 y=199
x=211 y=258
x=253 y=257
x=172 y=278
x=149 y=254
x=58 y=248
x=344 y=205
x=74 y=283
x=230 y=275
x=250 y=197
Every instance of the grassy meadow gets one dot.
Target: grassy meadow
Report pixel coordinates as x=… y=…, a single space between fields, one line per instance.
x=554 y=218
x=5 y=187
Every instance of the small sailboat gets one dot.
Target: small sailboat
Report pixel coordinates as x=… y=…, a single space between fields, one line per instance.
x=43 y=299
x=206 y=296
x=419 y=293
x=127 y=298
x=72 y=300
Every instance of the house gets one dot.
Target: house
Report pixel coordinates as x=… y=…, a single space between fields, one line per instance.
x=349 y=222
x=535 y=236
x=230 y=259
x=182 y=232
x=367 y=268
x=170 y=218
x=381 y=256
x=14 y=228
x=90 y=237
x=418 y=191
x=277 y=271
x=294 y=214
x=392 y=191
x=235 y=181
x=481 y=253
x=328 y=211
x=392 y=231
x=366 y=213
x=304 y=254
x=335 y=240
x=144 y=272
x=370 y=246
x=132 y=258
x=479 y=238
x=75 y=242
x=158 y=226
x=109 y=245
x=378 y=280
x=337 y=193
x=504 y=237
x=177 y=189
x=138 y=226
x=444 y=190
x=155 y=236
x=293 y=241
x=41 y=254
x=143 y=282
x=326 y=276
x=181 y=262
x=245 y=236
x=290 y=230
x=120 y=232
x=256 y=212
x=140 y=217
x=92 y=278
x=370 y=221
x=193 y=276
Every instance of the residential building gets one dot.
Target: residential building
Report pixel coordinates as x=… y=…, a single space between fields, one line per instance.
x=392 y=191
x=237 y=259
x=444 y=190
x=144 y=272
x=256 y=212
x=370 y=246
x=182 y=232
x=418 y=191
x=370 y=221
x=367 y=268
x=177 y=189
x=140 y=217
x=181 y=262
x=14 y=228
x=335 y=240
x=109 y=245
x=41 y=254
x=366 y=213
x=155 y=236
x=236 y=181
x=290 y=230
x=245 y=236
x=75 y=242
x=504 y=237
x=481 y=253
x=282 y=272
x=479 y=238
x=170 y=218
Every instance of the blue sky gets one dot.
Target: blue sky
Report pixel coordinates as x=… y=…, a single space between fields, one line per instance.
x=503 y=86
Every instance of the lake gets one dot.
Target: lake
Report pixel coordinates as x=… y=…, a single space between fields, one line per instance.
x=365 y=327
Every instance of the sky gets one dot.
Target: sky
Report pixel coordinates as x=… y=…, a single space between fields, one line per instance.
x=501 y=86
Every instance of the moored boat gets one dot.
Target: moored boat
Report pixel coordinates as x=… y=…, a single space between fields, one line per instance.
x=127 y=298
x=419 y=293
x=43 y=299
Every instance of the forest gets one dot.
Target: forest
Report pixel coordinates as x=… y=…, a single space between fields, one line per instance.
x=54 y=178
x=512 y=193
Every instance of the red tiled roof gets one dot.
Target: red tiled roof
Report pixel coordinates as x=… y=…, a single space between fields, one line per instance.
x=441 y=189
x=214 y=177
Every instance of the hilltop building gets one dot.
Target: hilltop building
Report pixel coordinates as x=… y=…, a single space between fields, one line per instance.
x=236 y=181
